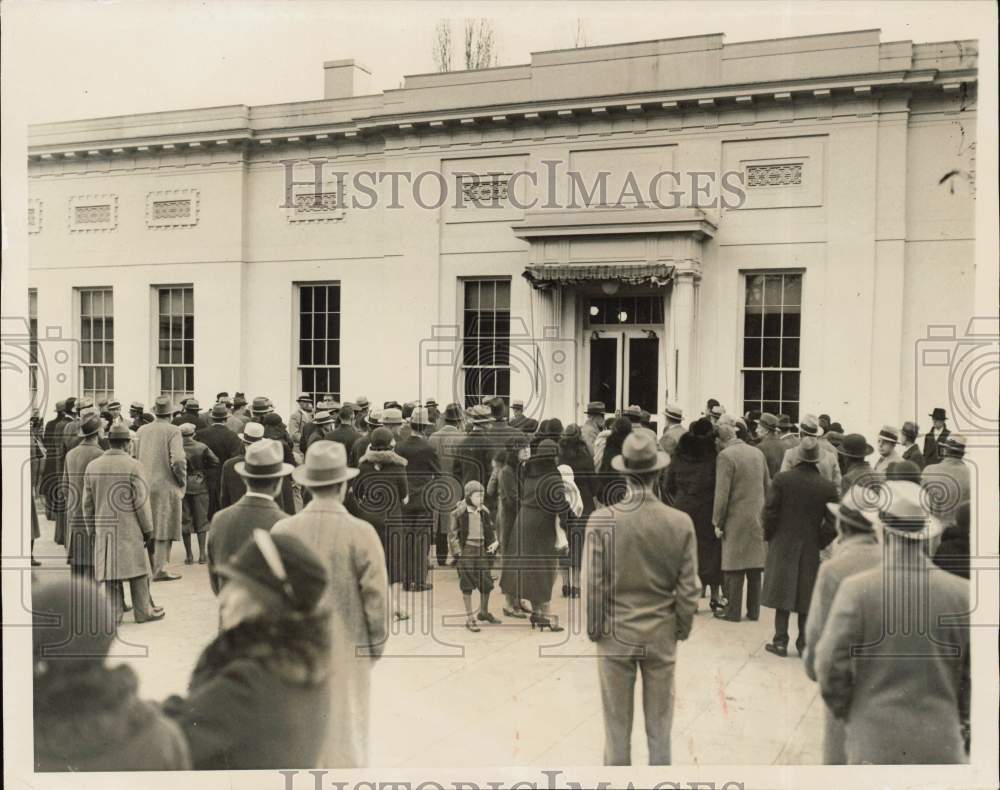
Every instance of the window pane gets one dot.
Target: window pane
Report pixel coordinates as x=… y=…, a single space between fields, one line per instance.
x=771 y=357
x=790 y=353
x=790 y=386
x=772 y=406
x=305 y=301
x=109 y=351
x=164 y=299
x=791 y=323
x=755 y=290
x=97 y=353
x=503 y=295
x=85 y=302
x=319 y=300
x=111 y=380
x=772 y=324
x=333 y=352
x=305 y=354
x=189 y=301
x=791 y=409
x=334 y=383
x=88 y=378
x=470 y=351
x=333 y=325
x=472 y=295
x=772 y=290
x=333 y=299
x=502 y=351
x=772 y=385
x=164 y=355
x=752 y=385
x=753 y=323
x=188 y=352
x=319 y=352
x=793 y=289
x=189 y=327
x=751 y=353
x=319 y=325
x=487 y=292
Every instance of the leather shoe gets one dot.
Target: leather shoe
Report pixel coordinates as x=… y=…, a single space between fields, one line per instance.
x=720 y=614
x=166 y=577
x=488 y=618
x=154 y=614
x=778 y=650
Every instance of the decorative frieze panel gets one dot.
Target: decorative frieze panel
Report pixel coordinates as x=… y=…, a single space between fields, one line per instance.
x=311 y=206
x=785 y=172
x=484 y=189
x=34 y=215
x=773 y=175
x=90 y=213
x=172 y=208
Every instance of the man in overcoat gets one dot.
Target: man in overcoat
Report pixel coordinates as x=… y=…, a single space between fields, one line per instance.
x=356 y=598
x=854 y=451
x=299 y=418
x=345 y=432
x=673 y=416
x=592 y=425
x=947 y=483
x=858 y=550
x=935 y=436
x=445 y=441
x=422 y=469
x=232 y=486
x=475 y=450
x=194 y=506
x=79 y=542
x=225 y=444
x=893 y=659
x=794 y=516
x=159 y=447
x=741 y=481
x=770 y=443
x=828 y=464
x=117 y=512
x=911 y=452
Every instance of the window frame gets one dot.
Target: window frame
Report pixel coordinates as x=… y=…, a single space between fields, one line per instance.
x=158 y=367
x=297 y=313
x=83 y=367
x=502 y=371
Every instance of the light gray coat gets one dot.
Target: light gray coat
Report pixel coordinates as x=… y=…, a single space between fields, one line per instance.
x=741 y=481
x=828 y=465
x=78 y=548
x=159 y=447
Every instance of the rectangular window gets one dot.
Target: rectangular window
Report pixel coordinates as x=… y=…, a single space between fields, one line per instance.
x=175 y=341
x=97 y=343
x=486 y=340
x=33 y=345
x=319 y=340
x=772 y=328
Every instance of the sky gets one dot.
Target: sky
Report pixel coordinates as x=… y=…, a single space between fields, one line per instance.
x=85 y=59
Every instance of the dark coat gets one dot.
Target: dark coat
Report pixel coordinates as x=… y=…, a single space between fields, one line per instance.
x=859 y=471
x=358 y=449
x=346 y=435
x=231 y=528
x=193 y=417
x=932 y=454
x=200 y=459
x=689 y=486
x=379 y=491
x=423 y=467
x=542 y=501
x=460 y=530
x=232 y=488
x=774 y=451
x=52 y=468
x=259 y=697
x=476 y=453
x=913 y=455
x=794 y=518
x=113 y=731
x=225 y=444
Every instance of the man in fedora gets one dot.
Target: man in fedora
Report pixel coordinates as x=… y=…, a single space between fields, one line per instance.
x=446 y=442
x=345 y=432
x=828 y=465
x=858 y=549
x=770 y=443
x=79 y=543
x=240 y=412
x=191 y=414
x=593 y=423
x=356 y=598
x=854 y=452
x=224 y=444
x=911 y=452
x=947 y=483
x=233 y=487
x=135 y=412
x=517 y=417
x=262 y=470
x=475 y=450
x=936 y=435
x=741 y=482
x=373 y=420
x=422 y=468
x=159 y=447
x=117 y=496
x=787 y=431
x=319 y=427
x=893 y=659
x=673 y=415
x=361 y=408
x=260 y=406
x=887 y=441
x=299 y=418
x=640 y=566
x=794 y=520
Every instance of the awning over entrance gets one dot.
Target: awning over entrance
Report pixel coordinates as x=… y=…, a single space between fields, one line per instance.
x=543 y=276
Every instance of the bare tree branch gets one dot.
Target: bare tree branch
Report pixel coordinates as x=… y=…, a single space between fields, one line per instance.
x=480 y=44
x=442 y=45
x=581 y=39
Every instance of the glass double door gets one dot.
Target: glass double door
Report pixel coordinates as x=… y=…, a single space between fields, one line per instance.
x=625 y=368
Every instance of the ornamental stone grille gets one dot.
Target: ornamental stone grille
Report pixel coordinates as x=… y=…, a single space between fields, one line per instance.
x=774 y=175
x=93 y=215
x=171 y=209
x=313 y=201
x=484 y=189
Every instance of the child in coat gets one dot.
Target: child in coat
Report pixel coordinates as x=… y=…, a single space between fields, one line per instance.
x=473 y=543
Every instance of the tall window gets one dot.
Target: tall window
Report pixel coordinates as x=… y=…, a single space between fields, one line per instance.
x=319 y=339
x=33 y=345
x=772 y=327
x=175 y=341
x=486 y=340
x=97 y=343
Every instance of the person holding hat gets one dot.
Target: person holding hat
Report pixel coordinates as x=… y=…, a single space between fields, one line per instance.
x=794 y=521
x=262 y=470
x=947 y=484
x=423 y=468
x=688 y=484
x=897 y=671
x=853 y=452
x=79 y=543
x=380 y=490
x=194 y=506
x=935 y=436
x=224 y=444
x=352 y=553
x=887 y=442
x=593 y=424
x=828 y=464
x=88 y=715
x=674 y=430
x=642 y=593
x=159 y=447
x=911 y=452
x=258 y=696
x=741 y=483
x=117 y=497
x=858 y=549
x=299 y=418
x=473 y=543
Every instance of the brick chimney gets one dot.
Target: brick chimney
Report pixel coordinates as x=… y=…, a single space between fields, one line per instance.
x=344 y=79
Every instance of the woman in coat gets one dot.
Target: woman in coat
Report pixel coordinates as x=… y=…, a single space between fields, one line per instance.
x=543 y=500
x=611 y=485
x=508 y=497
x=379 y=492
x=689 y=484
x=259 y=696
x=88 y=717
x=573 y=453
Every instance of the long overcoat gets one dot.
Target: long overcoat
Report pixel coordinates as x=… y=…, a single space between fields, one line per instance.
x=379 y=491
x=794 y=516
x=159 y=447
x=116 y=506
x=688 y=484
x=357 y=601
x=79 y=548
x=543 y=500
x=48 y=484
x=225 y=444
x=741 y=481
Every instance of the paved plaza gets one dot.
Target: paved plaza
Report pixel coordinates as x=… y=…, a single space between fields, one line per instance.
x=510 y=696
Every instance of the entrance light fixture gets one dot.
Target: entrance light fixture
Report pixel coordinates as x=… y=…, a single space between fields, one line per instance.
x=610 y=287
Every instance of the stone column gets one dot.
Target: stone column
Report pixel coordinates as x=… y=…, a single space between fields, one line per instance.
x=682 y=340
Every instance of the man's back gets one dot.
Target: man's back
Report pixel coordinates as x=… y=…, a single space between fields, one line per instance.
x=232 y=527
x=220 y=440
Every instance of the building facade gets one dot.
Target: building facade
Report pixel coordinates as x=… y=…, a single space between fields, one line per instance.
x=774 y=224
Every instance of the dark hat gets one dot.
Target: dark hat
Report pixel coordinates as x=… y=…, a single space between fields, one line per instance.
x=834 y=438
x=280 y=569
x=219 y=412
x=530 y=425
x=836 y=426
x=768 y=420
x=452 y=413
x=910 y=430
x=391 y=404
x=162 y=406
x=192 y=404
x=346 y=412
x=381 y=439
x=90 y=426
x=640 y=453
x=954 y=443
x=596 y=407
x=263 y=459
x=938 y=414
x=260 y=405
x=408 y=408
x=572 y=431
x=239 y=399
x=633 y=412
x=119 y=432
x=785 y=422
x=325 y=465
x=807 y=451
x=60 y=405
x=272 y=418
x=221 y=396
x=702 y=427
x=888 y=434
x=903 y=470
x=62 y=636
x=853 y=445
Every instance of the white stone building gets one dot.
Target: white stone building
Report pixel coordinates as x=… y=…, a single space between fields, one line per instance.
x=168 y=235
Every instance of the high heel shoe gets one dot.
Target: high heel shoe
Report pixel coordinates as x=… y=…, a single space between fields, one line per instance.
x=543 y=622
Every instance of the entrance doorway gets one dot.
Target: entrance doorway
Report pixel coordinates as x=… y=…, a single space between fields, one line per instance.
x=625 y=368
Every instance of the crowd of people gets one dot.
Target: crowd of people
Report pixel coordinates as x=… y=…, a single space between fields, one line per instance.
x=313 y=528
